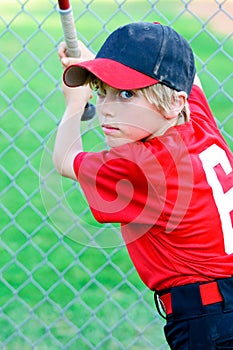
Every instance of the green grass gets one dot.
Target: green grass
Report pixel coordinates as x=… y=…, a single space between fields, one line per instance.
x=57 y=291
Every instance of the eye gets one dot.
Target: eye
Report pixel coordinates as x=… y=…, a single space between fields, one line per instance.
x=101 y=92
x=126 y=94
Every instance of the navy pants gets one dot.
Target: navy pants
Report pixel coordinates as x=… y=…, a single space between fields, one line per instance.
x=193 y=326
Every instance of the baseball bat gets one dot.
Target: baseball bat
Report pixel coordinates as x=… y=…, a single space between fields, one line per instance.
x=70 y=35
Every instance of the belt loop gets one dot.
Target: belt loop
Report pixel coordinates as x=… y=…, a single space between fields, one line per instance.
x=158 y=305
x=226 y=289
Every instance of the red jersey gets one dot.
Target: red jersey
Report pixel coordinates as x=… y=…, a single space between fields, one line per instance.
x=172 y=195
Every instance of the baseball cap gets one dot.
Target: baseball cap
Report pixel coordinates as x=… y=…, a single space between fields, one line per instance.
x=138 y=55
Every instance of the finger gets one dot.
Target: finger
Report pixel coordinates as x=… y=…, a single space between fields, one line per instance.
x=86 y=54
x=62 y=51
x=65 y=61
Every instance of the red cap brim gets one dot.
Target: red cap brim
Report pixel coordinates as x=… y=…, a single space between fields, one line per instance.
x=111 y=72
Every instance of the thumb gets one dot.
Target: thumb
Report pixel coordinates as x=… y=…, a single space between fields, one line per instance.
x=65 y=62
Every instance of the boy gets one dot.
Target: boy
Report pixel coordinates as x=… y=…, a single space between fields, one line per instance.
x=167 y=178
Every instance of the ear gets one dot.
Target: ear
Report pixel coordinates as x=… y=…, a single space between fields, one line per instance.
x=177 y=105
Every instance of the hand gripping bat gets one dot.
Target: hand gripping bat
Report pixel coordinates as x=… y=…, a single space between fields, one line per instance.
x=68 y=25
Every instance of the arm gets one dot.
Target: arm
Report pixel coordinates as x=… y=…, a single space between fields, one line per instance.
x=68 y=141
x=198 y=104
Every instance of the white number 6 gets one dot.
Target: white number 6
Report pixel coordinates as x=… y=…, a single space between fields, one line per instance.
x=211 y=157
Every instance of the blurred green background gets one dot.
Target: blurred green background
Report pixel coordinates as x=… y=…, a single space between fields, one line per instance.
x=57 y=290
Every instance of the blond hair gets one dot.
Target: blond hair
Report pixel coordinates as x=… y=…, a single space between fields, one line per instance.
x=158 y=94
x=164 y=98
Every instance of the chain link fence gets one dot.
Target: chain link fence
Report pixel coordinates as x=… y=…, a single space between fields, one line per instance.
x=66 y=281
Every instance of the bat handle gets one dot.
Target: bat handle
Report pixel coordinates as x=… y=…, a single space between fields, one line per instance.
x=69 y=31
x=70 y=36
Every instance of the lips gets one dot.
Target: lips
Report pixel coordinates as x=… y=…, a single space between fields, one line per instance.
x=107 y=126
x=109 y=129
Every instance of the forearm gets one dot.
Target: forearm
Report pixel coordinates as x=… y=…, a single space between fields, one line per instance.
x=68 y=141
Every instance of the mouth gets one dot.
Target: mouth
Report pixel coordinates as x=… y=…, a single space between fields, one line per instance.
x=109 y=129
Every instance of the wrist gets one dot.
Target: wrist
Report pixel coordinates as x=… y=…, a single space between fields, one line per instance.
x=77 y=98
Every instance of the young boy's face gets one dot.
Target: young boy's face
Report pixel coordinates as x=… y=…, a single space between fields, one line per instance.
x=126 y=116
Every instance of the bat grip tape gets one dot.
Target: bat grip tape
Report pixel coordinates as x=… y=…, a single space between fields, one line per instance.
x=69 y=32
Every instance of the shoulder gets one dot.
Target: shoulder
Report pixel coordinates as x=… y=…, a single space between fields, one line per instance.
x=118 y=159
x=135 y=162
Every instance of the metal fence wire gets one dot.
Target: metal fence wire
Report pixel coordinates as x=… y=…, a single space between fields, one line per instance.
x=66 y=281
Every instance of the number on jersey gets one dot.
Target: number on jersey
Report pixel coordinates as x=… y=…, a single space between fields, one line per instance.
x=211 y=157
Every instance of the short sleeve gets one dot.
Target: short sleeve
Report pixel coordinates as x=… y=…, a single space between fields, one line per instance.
x=118 y=184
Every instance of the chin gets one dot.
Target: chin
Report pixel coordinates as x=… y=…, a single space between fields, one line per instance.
x=117 y=142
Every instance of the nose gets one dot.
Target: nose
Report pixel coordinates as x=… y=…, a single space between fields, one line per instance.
x=105 y=107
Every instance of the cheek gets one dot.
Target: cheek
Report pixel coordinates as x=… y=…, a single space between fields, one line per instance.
x=142 y=118
x=137 y=132
x=98 y=106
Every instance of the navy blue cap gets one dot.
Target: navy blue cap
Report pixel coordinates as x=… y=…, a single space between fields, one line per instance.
x=138 y=55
